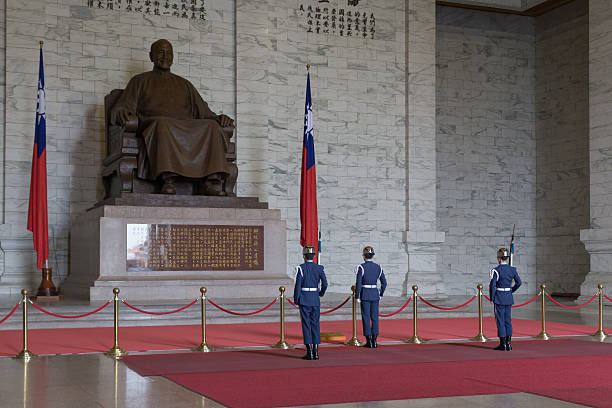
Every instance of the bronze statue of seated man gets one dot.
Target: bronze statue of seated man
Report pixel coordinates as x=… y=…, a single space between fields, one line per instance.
x=181 y=135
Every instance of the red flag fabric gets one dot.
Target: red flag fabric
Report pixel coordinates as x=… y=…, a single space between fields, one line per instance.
x=37 y=210
x=308 y=187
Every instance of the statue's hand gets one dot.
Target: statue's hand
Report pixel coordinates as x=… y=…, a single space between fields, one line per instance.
x=225 y=120
x=120 y=116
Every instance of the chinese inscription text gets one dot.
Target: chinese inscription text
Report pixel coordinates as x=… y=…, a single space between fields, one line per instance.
x=179 y=247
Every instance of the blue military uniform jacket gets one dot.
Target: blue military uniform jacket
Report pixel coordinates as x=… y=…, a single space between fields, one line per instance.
x=368 y=274
x=500 y=287
x=308 y=275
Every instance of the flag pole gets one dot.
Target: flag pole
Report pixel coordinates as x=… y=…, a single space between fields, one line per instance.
x=37 y=211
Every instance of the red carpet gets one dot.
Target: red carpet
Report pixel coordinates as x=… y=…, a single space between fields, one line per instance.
x=145 y=338
x=570 y=370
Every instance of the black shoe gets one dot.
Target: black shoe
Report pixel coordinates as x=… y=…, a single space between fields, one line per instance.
x=508 y=345
x=502 y=344
x=315 y=351
x=309 y=354
x=374 y=344
x=368 y=343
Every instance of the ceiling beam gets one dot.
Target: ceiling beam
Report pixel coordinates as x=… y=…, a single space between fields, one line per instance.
x=534 y=11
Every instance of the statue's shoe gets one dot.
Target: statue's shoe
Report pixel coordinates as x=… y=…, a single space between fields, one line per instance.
x=168 y=188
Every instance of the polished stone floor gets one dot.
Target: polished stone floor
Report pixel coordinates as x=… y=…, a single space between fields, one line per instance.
x=93 y=380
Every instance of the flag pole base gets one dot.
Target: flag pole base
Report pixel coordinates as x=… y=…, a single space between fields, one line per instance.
x=46 y=287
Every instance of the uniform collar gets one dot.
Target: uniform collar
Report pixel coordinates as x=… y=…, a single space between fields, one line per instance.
x=309 y=261
x=503 y=263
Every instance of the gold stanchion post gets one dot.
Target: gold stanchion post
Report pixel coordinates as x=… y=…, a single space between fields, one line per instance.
x=354 y=341
x=480 y=336
x=203 y=346
x=600 y=334
x=415 y=339
x=25 y=354
x=282 y=344
x=116 y=351
x=543 y=335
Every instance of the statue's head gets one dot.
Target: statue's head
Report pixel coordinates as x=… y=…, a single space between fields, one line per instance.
x=161 y=54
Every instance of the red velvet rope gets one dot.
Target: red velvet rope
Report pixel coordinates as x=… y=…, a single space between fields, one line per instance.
x=448 y=308
x=242 y=314
x=528 y=302
x=337 y=307
x=522 y=304
x=294 y=305
x=11 y=313
x=327 y=311
x=571 y=307
x=400 y=309
x=69 y=317
x=606 y=296
x=159 y=313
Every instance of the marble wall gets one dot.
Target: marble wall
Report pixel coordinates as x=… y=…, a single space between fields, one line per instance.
x=562 y=122
x=358 y=109
x=598 y=237
x=486 y=144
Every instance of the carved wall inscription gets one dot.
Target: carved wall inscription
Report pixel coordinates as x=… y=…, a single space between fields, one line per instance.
x=180 y=247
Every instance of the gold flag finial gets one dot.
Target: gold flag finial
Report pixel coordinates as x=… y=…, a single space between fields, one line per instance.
x=307 y=67
x=41 y=43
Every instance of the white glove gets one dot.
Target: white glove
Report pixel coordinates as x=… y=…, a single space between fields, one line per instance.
x=358 y=300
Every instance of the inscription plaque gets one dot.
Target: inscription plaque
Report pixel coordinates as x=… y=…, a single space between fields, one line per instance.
x=180 y=247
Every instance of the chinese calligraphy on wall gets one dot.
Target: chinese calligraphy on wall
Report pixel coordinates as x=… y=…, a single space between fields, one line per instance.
x=179 y=247
x=193 y=9
x=344 y=20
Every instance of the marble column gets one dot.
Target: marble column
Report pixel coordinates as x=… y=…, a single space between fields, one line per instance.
x=598 y=239
x=421 y=238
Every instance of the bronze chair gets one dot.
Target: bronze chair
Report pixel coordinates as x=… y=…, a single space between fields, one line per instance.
x=120 y=165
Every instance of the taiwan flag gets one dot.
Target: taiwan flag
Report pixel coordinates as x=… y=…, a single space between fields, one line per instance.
x=37 y=210
x=308 y=188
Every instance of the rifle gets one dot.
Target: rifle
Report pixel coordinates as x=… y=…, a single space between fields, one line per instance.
x=511 y=262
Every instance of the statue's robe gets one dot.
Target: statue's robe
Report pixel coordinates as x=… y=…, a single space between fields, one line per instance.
x=180 y=133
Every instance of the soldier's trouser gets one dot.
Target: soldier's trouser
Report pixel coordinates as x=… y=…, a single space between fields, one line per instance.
x=369 y=317
x=310 y=324
x=503 y=319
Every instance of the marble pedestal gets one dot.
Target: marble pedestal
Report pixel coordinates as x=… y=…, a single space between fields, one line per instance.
x=98 y=244
x=598 y=243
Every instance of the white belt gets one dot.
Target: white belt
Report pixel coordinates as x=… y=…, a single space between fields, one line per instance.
x=504 y=289
x=369 y=286
x=310 y=289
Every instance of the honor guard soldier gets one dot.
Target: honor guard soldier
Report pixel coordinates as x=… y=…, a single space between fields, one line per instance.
x=306 y=295
x=367 y=293
x=500 y=292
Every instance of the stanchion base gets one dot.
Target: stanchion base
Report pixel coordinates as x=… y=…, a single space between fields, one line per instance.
x=282 y=344
x=204 y=348
x=415 y=340
x=600 y=335
x=543 y=336
x=480 y=337
x=116 y=352
x=354 y=342
x=25 y=355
